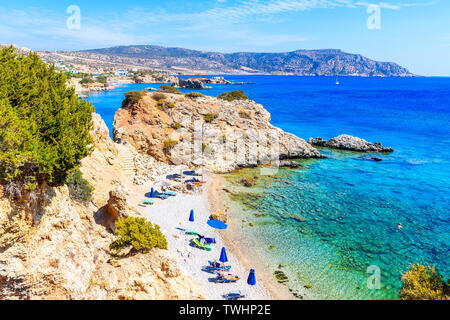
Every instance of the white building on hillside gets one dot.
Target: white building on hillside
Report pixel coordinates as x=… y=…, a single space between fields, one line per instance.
x=121 y=73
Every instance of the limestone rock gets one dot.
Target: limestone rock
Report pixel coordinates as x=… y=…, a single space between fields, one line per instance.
x=217 y=134
x=347 y=142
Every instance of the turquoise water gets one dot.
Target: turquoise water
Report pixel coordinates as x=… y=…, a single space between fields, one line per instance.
x=328 y=222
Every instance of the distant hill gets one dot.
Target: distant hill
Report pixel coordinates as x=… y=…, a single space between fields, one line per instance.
x=329 y=62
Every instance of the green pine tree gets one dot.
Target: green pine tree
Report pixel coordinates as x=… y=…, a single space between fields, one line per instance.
x=44 y=127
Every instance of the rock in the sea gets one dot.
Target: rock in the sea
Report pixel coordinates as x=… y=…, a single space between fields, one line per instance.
x=347 y=142
x=290 y=164
x=211 y=130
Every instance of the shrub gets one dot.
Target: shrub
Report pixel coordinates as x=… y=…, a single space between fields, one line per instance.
x=160 y=104
x=169 y=144
x=79 y=188
x=138 y=233
x=170 y=105
x=206 y=148
x=233 y=95
x=132 y=97
x=44 y=127
x=158 y=96
x=194 y=95
x=176 y=126
x=86 y=80
x=209 y=117
x=423 y=283
x=244 y=114
x=102 y=79
x=169 y=89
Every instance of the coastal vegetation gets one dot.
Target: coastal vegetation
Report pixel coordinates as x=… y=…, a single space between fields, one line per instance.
x=132 y=97
x=44 y=127
x=423 y=282
x=244 y=114
x=233 y=95
x=158 y=96
x=209 y=117
x=139 y=233
x=169 y=89
x=86 y=81
x=194 y=95
x=79 y=188
x=169 y=144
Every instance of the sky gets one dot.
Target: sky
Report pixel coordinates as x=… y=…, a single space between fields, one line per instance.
x=412 y=33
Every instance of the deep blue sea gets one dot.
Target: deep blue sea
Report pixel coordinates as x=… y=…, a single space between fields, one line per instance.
x=349 y=207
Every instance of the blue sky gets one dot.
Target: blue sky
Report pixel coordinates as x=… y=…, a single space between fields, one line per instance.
x=413 y=33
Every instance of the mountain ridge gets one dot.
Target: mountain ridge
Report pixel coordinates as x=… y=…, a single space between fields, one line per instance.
x=318 y=62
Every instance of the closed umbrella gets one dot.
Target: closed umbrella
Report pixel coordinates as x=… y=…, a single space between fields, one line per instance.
x=191 y=216
x=251 y=278
x=152 y=193
x=223 y=255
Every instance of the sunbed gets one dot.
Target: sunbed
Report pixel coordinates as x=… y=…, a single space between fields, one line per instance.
x=205 y=246
x=223 y=279
x=215 y=267
x=192 y=232
x=234 y=295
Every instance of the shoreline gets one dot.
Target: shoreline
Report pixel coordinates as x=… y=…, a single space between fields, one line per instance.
x=218 y=199
x=172 y=217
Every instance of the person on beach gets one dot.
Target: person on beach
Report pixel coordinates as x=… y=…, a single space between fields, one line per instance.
x=201 y=239
x=218 y=264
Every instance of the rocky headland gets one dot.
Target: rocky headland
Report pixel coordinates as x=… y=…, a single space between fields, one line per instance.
x=347 y=142
x=199 y=130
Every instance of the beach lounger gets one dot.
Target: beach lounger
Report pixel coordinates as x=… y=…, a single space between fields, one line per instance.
x=192 y=232
x=215 y=267
x=223 y=279
x=165 y=193
x=205 y=246
x=210 y=240
x=161 y=196
x=148 y=202
x=234 y=295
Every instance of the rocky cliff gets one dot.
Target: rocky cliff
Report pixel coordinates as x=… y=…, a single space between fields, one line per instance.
x=60 y=249
x=199 y=130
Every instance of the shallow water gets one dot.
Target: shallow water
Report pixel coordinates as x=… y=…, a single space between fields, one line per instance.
x=327 y=223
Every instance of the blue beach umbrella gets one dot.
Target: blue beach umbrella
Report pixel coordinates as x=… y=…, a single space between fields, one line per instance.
x=251 y=278
x=191 y=216
x=152 y=193
x=223 y=255
x=217 y=224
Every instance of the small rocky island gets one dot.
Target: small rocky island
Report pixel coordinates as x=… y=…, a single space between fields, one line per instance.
x=199 y=83
x=347 y=142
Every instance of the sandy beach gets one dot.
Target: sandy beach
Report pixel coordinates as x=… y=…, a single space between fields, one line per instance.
x=172 y=216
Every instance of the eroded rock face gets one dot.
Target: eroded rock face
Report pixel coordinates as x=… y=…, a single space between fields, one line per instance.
x=207 y=131
x=60 y=250
x=347 y=142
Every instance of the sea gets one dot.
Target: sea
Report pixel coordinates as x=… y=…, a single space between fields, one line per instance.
x=331 y=227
